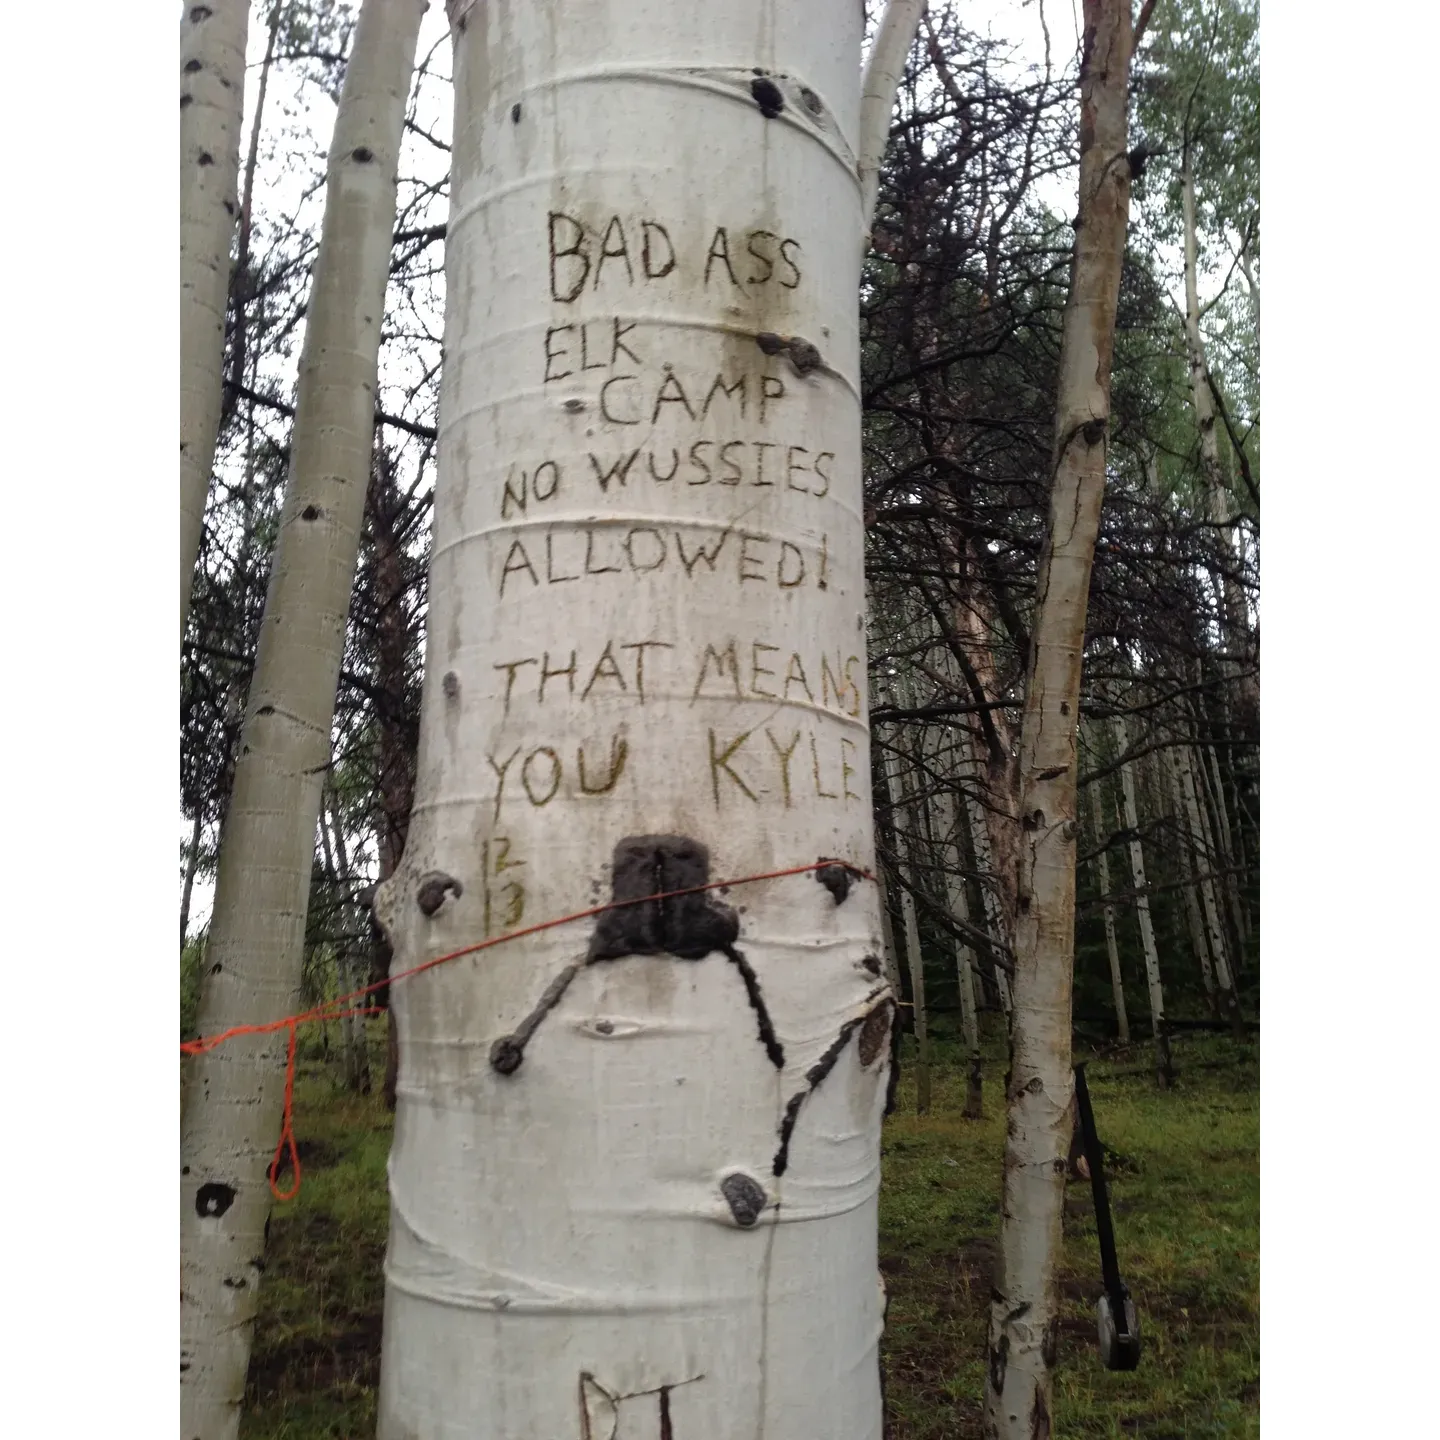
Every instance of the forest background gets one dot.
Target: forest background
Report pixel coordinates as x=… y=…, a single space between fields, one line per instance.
x=90 y=371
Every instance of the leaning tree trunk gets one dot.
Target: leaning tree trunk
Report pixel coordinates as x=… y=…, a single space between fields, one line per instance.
x=1205 y=864
x=395 y=742
x=951 y=856
x=1164 y=1070
x=1112 y=948
x=212 y=104
x=1190 y=886
x=1024 y=1314
x=902 y=816
x=1231 y=594
x=636 y=1158
x=354 y=1041
x=232 y=1098
x=192 y=864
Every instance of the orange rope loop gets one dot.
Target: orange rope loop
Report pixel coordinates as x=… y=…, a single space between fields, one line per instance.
x=329 y=1009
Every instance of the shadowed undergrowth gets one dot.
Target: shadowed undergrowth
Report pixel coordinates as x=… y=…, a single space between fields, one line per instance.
x=1185 y=1192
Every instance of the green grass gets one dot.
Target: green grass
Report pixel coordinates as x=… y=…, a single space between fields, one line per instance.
x=1185 y=1197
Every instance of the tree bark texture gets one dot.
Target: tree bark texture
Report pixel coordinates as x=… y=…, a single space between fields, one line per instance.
x=1163 y=1069
x=634 y=1176
x=893 y=38
x=1205 y=865
x=1039 y=1093
x=232 y=1096
x=1112 y=948
x=902 y=822
x=192 y=864
x=950 y=852
x=1231 y=594
x=212 y=102
x=1191 y=889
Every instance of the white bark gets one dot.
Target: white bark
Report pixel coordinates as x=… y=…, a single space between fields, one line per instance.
x=1232 y=598
x=1225 y=844
x=212 y=99
x=1214 y=929
x=646 y=620
x=352 y=974
x=232 y=1096
x=994 y=909
x=965 y=961
x=1112 y=948
x=1198 y=944
x=1039 y=1091
x=893 y=38
x=192 y=864
x=1142 y=908
x=902 y=819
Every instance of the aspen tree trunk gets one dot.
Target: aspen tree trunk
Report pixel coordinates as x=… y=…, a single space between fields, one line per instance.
x=1232 y=597
x=965 y=965
x=902 y=814
x=1191 y=889
x=192 y=864
x=1164 y=1069
x=891 y=956
x=232 y=1097
x=893 y=38
x=240 y=280
x=1214 y=930
x=212 y=103
x=396 y=749
x=353 y=1039
x=634 y=1175
x=995 y=917
x=1040 y=1089
x=1227 y=848
x=1112 y=948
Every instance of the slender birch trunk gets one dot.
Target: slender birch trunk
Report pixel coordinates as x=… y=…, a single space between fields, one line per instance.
x=1214 y=930
x=1164 y=1068
x=995 y=917
x=212 y=103
x=636 y=1159
x=1190 y=889
x=354 y=1042
x=902 y=814
x=1024 y=1314
x=1232 y=596
x=1228 y=847
x=395 y=745
x=240 y=281
x=192 y=864
x=1112 y=948
x=893 y=38
x=891 y=955
x=952 y=858
x=232 y=1097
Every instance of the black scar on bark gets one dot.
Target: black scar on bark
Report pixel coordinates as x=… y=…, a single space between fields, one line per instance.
x=999 y=1353
x=835 y=876
x=434 y=886
x=813 y=1076
x=646 y=868
x=892 y=1084
x=213 y=1199
x=745 y=1197
x=509 y=1050
x=767 y=97
x=650 y=919
x=1039 y=1417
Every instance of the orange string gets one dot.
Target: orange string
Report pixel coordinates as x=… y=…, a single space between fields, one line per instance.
x=328 y=1010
